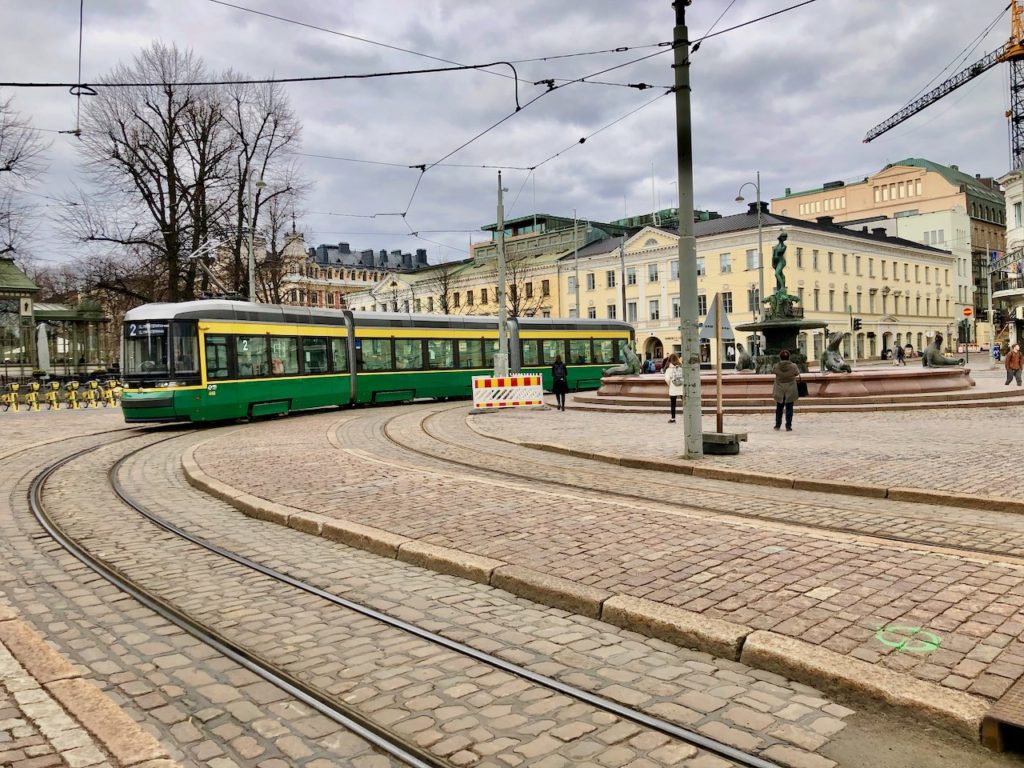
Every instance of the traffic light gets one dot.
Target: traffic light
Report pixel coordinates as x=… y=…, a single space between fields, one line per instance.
x=856 y=323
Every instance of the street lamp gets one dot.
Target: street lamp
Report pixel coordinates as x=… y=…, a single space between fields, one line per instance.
x=252 y=234
x=576 y=262
x=760 y=250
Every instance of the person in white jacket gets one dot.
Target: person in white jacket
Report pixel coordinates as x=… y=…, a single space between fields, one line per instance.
x=674 y=378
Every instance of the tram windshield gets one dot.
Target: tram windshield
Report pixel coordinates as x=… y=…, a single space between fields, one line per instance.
x=158 y=348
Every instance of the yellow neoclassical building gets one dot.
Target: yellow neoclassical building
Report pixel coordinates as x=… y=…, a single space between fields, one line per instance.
x=901 y=291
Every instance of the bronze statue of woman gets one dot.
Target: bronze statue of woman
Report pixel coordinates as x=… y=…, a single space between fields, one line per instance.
x=779 y=263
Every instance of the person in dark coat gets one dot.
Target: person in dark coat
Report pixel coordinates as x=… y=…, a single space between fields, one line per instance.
x=784 y=391
x=560 y=377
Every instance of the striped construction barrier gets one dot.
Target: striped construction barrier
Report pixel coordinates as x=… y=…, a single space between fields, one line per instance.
x=514 y=391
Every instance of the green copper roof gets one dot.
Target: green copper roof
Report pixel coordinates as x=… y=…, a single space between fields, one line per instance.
x=954 y=176
x=13 y=279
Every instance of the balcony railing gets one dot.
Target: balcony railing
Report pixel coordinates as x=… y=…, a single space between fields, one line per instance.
x=1012 y=283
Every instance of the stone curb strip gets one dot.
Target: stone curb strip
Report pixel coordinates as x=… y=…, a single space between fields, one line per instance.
x=685 y=467
x=118 y=734
x=795 y=659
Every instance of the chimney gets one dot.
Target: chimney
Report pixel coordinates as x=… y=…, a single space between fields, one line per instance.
x=752 y=208
x=879 y=232
x=955 y=167
x=788 y=192
x=826 y=220
x=864 y=229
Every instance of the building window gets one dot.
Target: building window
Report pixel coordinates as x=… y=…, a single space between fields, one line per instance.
x=917 y=273
x=814 y=260
x=611 y=311
x=800 y=295
x=654 y=309
x=883 y=269
x=546 y=313
x=652 y=273
x=846 y=264
x=571 y=285
x=469 y=298
x=871 y=267
x=631 y=312
x=591 y=281
x=609 y=278
x=831 y=301
x=592 y=312
x=831 y=262
x=752 y=258
x=418 y=305
x=631 y=276
x=430 y=303
x=529 y=290
x=702 y=304
x=727 y=302
x=675 y=307
x=700 y=266
x=545 y=288
x=799 y=258
x=455 y=299
x=817 y=293
x=927 y=274
x=725 y=262
x=673 y=269
x=483 y=295
x=1017 y=220
x=846 y=301
x=752 y=300
x=860 y=301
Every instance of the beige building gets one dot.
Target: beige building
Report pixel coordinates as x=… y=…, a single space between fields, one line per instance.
x=902 y=291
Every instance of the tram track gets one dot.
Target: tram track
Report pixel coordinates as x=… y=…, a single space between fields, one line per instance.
x=534 y=470
x=384 y=739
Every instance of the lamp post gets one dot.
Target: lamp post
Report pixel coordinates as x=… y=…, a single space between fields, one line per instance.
x=252 y=234
x=760 y=249
x=576 y=262
x=501 y=358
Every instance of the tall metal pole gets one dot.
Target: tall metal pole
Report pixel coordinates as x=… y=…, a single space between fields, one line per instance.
x=991 y=315
x=760 y=261
x=252 y=235
x=622 y=276
x=501 y=359
x=576 y=262
x=688 y=317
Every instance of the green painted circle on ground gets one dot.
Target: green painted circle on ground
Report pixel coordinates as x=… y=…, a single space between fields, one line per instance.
x=908 y=639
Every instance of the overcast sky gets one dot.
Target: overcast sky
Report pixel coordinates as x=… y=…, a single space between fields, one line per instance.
x=791 y=96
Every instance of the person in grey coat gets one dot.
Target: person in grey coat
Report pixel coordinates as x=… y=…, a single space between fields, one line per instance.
x=784 y=392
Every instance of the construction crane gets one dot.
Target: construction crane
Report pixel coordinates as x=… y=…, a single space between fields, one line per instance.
x=1013 y=53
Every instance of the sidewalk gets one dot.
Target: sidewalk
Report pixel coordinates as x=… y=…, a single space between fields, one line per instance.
x=51 y=716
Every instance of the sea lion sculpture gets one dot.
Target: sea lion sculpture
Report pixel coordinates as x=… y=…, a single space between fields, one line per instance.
x=933 y=357
x=831 y=359
x=630 y=363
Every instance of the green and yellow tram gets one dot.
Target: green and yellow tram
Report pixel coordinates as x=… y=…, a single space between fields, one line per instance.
x=214 y=359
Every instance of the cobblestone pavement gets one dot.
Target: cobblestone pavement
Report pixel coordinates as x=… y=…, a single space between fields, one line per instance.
x=204 y=708
x=833 y=590
x=956 y=450
x=456 y=707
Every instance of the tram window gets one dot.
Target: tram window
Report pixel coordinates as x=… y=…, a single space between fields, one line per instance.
x=314 y=354
x=376 y=354
x=184 y=354
x=471 y=353
x=251 y=356
x=440 y=354
x=408 y=354
x=604 y=351
x=553 y=348
x=531 y=351
x=579 y=351
x=339 y=355
x=218 y=358
x=490 y=348
x=284 y=355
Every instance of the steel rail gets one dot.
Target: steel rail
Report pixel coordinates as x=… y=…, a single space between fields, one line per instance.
x=600 y=702
x=359 y=724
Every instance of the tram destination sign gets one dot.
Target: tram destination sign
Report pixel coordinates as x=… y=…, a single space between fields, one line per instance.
x=143 y=330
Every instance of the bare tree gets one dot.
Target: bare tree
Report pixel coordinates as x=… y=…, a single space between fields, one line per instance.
x=282 y=252
x=21 y=162
x=525 y=298
x=441 y=283
x=170 y=163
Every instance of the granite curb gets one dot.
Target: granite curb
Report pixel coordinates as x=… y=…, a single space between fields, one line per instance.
x=714 y=472
x=830 y=671
x=123 y=739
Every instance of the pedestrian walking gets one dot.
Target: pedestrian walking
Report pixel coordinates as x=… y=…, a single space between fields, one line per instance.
x=1013 y=364
x=674 y=378
x=901 y=356
x=560 y=377
x=785 y=391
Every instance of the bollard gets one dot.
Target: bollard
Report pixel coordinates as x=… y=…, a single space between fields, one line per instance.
x=72 y=395
x=32 y=396
x=53 y=395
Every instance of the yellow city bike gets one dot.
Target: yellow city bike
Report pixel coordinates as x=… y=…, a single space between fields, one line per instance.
x=53 y=395
x=9 y=398
x=32 y=396
x=71 y=388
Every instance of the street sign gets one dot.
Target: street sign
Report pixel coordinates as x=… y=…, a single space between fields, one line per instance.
x=968 y=311
x=707 y=330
